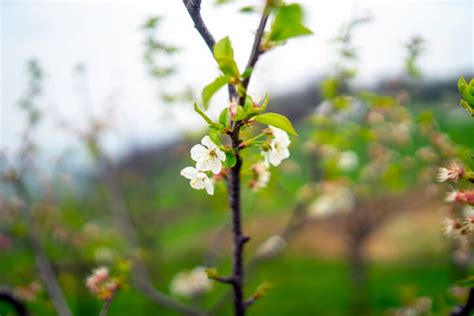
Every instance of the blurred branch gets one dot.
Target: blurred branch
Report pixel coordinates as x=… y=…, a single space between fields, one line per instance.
x=106 y=307
x=140 y=274
x=43 y=264
x=7 y=296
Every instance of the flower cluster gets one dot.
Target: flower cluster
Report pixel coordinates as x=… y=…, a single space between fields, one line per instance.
x=208 y=157
x=101 y=284
x=191 y=283
x=460 y=223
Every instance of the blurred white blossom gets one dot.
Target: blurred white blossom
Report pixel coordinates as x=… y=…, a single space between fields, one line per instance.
x=261 y=176
x=191 y=283
x=334 y=199
x=348 y=160
x=271 y=247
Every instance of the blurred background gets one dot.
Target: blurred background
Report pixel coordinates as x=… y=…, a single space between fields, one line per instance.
x=97 y=122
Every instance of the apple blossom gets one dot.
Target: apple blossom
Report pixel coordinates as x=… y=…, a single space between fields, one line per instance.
x=261 y=176
x=278 y=150
x=208 y=156
x=191 y=283
x=198 y=180
x=453 y=173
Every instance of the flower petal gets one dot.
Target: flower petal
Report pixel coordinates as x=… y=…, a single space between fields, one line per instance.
x=204 y=165
x=209 y=186
x=216 y=166
x=220 y=154
x=206 y=141
x=199 y=152
x=189 y=172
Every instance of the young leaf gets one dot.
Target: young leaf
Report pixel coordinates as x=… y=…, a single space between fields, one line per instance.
x=240 y=114
x=224 y=117
x=224 y=55
x=215 y=135
x=288 y=23
x=467 y=92
x=212 y=88
x=276 y=120
x=230 y=159
x=203 y=115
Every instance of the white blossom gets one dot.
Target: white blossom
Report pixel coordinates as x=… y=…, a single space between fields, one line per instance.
x=271 y=247
x=198 y=180
x=451 y=196
x=191 y=283
x=208 y=156
x=348 y=160
x=337 y=199
x=453 y=173
x=262 y=176
x=278 y=147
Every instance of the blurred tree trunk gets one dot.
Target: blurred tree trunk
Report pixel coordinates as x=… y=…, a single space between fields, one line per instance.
x=358 y=276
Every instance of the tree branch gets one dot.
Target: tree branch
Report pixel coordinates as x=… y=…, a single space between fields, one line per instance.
x=194 y=10
x=256 y=50
x=233 y=182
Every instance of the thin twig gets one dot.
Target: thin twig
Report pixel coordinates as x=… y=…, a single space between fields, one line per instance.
x=256 y=51
x=194 y=9
x=105 y=308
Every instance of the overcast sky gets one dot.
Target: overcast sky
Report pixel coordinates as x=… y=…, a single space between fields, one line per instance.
x=106 y=37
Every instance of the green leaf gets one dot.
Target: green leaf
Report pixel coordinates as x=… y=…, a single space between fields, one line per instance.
x=240 y=114
x=330 y=88
x=276 y=120
x=248 y=105
x=468 y=108
x=230 y=159
x=212 y=88
x=288 y=23
x=247 y=73
x=264 y=104
x=215 y=135
x=467 y=92
x=224 y=55
x=203 y=115
x=224 y=117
